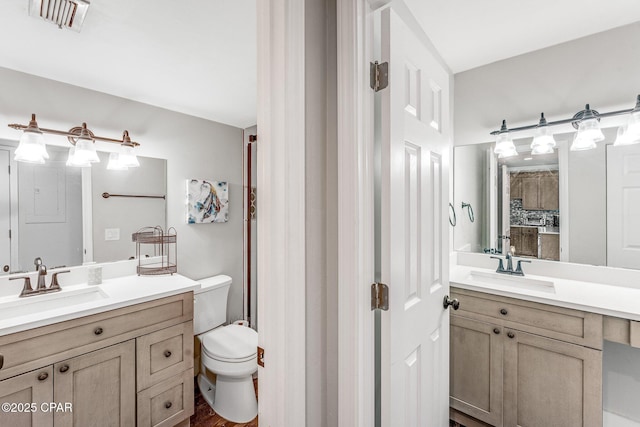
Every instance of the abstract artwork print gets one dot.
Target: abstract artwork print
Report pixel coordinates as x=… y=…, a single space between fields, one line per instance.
x=207 y=201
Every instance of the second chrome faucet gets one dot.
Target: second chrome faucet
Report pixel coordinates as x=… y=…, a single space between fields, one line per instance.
x=509 y=270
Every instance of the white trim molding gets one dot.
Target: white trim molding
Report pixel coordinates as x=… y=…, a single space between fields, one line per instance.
x=355 y=214
x=281 y=223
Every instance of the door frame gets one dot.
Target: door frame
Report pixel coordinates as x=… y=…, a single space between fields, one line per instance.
x=13 y=191
x=356 y=268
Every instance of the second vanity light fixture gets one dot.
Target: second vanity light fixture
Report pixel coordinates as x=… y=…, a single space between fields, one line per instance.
x=32 y=147
x=588 y=134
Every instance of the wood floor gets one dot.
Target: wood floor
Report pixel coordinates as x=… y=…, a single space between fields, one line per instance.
x=205 y=416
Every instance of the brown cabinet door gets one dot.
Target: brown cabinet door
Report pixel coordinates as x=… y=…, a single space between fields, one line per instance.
x=515 y=186
x=101 y=387
x=550 y=246
x=476 y=369
x=25 y=394
x=548 y=191
x=530 y=192
x=529 y=242
x=550 y=383
x=516 y=239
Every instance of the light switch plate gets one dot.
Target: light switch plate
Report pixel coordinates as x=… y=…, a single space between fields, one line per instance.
x=111 y=234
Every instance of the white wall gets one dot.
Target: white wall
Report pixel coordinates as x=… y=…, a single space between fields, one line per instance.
x=193 y=147
x=469 y=187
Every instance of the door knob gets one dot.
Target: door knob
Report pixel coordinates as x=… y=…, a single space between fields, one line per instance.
x=5 y=268
x=450 y=302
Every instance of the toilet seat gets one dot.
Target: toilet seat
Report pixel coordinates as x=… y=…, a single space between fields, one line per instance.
x=232 y=344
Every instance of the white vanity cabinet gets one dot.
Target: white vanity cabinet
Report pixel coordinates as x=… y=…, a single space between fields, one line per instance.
x=103 y=365
x=518 y=363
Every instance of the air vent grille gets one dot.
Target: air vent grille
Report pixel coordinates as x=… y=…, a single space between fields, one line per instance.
x=63 y=13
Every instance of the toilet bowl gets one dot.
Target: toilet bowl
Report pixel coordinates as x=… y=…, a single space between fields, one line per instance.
x=227 y=351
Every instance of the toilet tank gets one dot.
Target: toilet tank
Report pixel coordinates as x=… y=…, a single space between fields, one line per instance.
x=210 y=305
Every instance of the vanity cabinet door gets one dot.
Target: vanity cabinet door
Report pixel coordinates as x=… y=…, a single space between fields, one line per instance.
x=476 y=369
x=25 y=395
x=550 y=383
x=515 y=186
x=515 y=234
x=101 y=387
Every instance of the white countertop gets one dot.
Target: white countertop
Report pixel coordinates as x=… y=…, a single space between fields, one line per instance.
x=118 y=292
x=611 y=300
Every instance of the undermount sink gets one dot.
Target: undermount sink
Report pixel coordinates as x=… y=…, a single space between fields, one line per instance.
x=15 y=306
x=511 y=280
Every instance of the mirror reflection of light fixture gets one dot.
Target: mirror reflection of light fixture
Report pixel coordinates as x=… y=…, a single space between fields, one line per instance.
x=543 y=142
x=504 y=144
x=82 y=153
x=630 y=132
x=115 y=164
x=588 y=126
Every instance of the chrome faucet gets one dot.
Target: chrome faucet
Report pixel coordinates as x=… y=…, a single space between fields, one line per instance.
x=509 y=270
x=42 y=288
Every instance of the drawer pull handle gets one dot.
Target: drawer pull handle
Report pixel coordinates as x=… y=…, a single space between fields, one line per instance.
x=64 y=368
x=503 y=311
x=43 y=376
x=496 y=331
x=511 y=334
x=167 y=353
x=167 y=405
x=98 y=331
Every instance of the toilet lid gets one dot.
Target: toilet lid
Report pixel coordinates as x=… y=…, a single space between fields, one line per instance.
x=230 y=343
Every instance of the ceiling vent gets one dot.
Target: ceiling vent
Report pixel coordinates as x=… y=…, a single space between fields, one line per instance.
x=64 y=13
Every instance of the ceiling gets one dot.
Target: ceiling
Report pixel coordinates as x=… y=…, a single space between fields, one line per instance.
x=198 y=57
x=471 y=33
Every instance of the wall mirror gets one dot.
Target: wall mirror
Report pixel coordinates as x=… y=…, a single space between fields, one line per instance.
x=58 y=212
x=572 y=206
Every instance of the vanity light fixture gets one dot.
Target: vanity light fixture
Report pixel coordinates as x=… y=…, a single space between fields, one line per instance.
x=504 y=144
x=82 y=153
x=588 y=126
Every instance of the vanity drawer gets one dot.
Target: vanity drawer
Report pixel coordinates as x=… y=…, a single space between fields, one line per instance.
x=163 y=354
x=167 y=403
x=39 y=347
x=574 y=326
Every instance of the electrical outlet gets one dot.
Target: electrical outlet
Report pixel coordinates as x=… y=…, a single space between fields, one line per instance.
x=111 y=234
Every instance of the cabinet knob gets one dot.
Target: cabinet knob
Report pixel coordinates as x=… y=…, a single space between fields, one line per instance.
x=503 y=311
x=98 y=331
x=496 y=331
x=43 y=376
x=64 y=368
x=167 y=405
x=511 y=334
x=167 y=353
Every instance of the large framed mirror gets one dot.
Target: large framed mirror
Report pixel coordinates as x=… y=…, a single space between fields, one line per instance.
x=58 y=213
x=573 y=206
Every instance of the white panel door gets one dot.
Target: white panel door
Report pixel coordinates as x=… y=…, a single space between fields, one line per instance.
x=414 y=229
x=5 y=212
x=623 y=206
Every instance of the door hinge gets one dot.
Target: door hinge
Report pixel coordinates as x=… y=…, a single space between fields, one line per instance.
x=379 y=75
x=379 y=296
x=261 y=357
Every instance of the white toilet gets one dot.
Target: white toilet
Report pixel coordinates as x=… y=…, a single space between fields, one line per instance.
x=227 y=351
